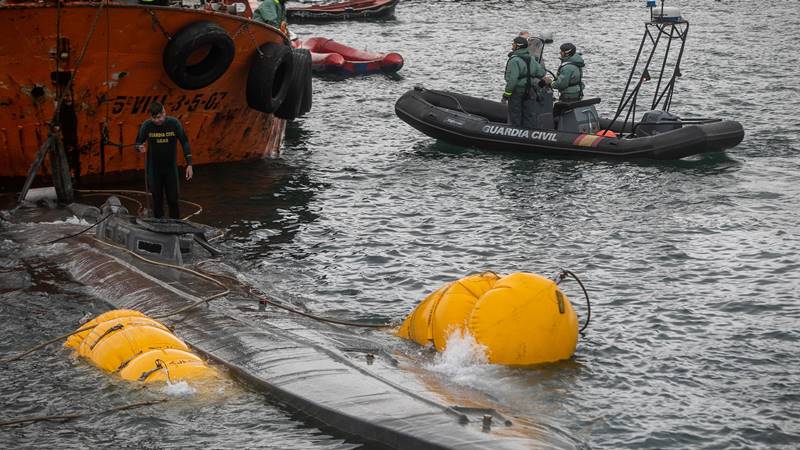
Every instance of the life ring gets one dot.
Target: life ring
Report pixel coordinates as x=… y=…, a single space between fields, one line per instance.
x=290 y=109
x=198 y=55
x=270 y=77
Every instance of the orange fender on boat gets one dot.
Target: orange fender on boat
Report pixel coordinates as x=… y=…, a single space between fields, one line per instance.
x=607 y=133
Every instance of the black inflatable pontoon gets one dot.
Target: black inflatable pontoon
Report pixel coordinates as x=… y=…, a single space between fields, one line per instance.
x=474 y=122
x=572 y=128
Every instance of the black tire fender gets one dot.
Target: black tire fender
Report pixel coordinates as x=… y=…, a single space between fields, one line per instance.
x=198 y=37
x=305 y=105
x=291 y=107
x=270 y=77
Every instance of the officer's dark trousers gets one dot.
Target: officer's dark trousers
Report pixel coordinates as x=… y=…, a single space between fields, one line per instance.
x=521 y=111
x=165 y=181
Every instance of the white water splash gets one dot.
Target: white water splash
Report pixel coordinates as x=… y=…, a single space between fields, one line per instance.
x=465 y=362
x=463 y=358
x=179 y=389
x=72 y=220
x=76 y=221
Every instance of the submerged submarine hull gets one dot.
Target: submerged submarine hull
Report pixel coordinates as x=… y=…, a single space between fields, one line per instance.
x=473 y=122
x=355 y=383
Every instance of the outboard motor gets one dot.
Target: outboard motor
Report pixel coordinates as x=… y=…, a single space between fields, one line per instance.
x=654 y=122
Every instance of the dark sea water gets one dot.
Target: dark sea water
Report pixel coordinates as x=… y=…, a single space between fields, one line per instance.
x=692 y=266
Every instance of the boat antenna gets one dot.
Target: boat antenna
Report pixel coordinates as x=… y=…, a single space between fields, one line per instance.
x=666 y=23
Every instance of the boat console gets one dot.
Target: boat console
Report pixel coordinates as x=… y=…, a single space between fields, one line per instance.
x=577 y=117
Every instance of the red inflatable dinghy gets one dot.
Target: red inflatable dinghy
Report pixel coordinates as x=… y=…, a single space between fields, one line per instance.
x=329 y=56
x=340 y=10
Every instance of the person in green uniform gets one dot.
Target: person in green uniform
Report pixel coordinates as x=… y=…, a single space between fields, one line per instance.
x=522 y=79
x=271 y=12
x=161 y=133
x=569 y=79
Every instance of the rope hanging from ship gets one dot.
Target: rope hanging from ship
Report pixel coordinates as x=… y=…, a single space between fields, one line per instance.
x=53 y=143
x=68 y=84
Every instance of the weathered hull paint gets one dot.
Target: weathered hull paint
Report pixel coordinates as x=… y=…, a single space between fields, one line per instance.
x=121 y=73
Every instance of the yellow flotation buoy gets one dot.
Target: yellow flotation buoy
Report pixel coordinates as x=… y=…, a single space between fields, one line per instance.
x=520 y=319
x=108 y=328
x=456 y=305
x=167 y=364
x=116 y=349
x=121 y=338
x=75 y=340
x=417 y=326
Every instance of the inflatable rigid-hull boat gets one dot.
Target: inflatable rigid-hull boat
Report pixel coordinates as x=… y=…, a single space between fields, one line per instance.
x=362 y=384
x=473 y=122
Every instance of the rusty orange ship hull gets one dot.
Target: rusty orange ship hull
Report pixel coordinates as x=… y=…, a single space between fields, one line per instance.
x=121 y=73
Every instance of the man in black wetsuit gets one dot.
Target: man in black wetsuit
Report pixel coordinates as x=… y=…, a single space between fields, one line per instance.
x=162 y=133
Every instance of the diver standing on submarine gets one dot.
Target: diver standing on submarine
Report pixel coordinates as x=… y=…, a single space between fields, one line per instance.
x=162 y=133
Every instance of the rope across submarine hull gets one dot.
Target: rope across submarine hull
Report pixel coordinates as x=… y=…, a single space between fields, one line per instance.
x=327 y=373
x=473 y=122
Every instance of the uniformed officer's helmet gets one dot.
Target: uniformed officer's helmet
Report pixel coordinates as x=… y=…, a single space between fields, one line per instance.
x=568 y=48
